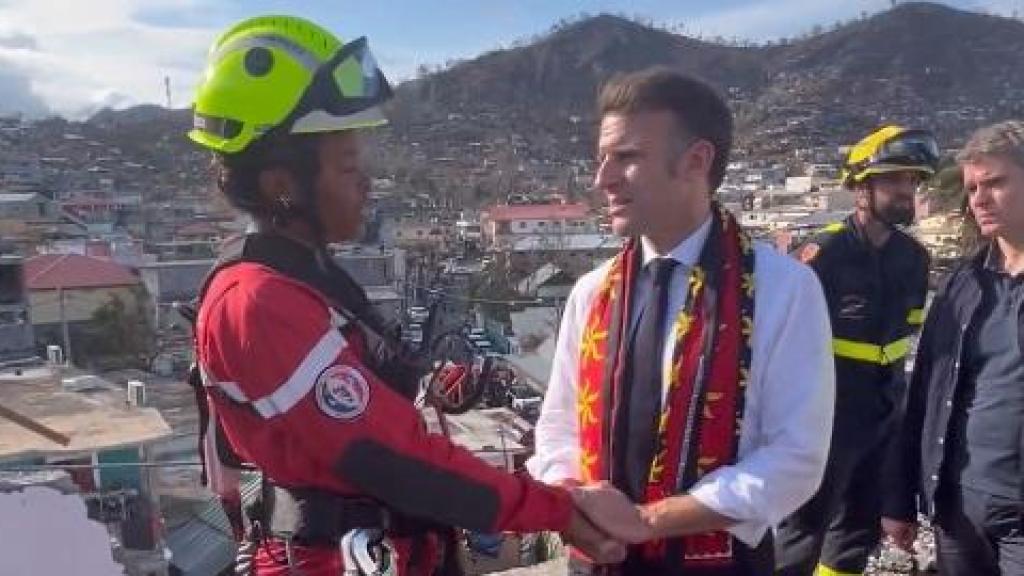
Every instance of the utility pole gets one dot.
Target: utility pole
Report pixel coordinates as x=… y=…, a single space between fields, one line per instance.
x=64 y=327
x=504 y=449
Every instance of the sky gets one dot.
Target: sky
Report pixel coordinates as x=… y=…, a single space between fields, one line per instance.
x=72 y=57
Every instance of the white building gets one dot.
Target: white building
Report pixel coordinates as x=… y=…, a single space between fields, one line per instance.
x=503 y=223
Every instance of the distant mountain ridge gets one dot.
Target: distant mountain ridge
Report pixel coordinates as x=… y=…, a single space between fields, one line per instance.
x=908 y=63
x=918 y=63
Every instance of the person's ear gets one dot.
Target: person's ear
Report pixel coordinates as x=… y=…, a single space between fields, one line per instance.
x=278 y=187
x=862 y=195
x=698 y=158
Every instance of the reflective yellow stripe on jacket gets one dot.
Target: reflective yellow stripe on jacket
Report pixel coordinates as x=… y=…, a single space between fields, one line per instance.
x=826 y=571
x=915 y=317
x=866 y=352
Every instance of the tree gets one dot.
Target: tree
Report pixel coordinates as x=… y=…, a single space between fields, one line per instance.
x=118 y=334
x=946 y=190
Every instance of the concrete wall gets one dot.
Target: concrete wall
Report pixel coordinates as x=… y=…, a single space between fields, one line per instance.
x=174 y=281
x=37 y=208
x=16 y=335
x=79 y=304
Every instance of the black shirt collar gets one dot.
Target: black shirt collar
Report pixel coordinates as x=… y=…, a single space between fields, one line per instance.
x=993 y=261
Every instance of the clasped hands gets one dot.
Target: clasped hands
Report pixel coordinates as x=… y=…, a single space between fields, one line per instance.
x=605 y=521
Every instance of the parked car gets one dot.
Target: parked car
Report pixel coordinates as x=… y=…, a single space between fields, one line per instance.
x=413 y=333
x=418 y=314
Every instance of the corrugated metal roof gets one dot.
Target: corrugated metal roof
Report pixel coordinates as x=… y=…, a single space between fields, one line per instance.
x=199 y=549
x=15 y=197
x=204 y=545
x=551 y=242
x=535 y=365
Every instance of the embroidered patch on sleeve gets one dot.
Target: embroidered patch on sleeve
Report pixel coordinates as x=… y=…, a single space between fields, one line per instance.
x=342 y=393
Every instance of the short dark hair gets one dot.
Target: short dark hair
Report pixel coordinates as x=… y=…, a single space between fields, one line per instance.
x=698 y=109
x=238 y=174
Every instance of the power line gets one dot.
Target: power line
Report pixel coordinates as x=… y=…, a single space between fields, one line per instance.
x=116 y=465
x=44 y=467
x=437 y=293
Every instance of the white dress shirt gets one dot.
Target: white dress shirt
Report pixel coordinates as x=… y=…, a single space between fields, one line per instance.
x=787 y=423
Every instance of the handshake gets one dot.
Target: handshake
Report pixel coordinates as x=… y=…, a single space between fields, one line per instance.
x=605 y=521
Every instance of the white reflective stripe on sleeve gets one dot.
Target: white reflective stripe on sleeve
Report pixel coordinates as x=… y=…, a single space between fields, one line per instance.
x=304 y=378
x=232 y=389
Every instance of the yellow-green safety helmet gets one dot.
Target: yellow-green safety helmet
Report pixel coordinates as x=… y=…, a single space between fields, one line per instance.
x=284 y=73
x=891 y=149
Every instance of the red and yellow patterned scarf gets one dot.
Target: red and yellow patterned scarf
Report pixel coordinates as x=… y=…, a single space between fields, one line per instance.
x=700 y=421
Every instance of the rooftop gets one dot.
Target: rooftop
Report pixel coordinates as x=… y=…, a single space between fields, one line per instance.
x=18 y=196
x=203 y=263
x=487 y=433
x=820 y=219
x=532 y=242
x=536 y=212
x=382 y=294
x=95 y=418
x=194 y=229
x=53 y=271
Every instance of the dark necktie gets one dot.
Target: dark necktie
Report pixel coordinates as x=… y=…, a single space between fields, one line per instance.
x=643 y=381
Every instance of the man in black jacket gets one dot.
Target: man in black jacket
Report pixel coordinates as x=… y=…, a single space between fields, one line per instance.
x=875 y=278
x=959 y=453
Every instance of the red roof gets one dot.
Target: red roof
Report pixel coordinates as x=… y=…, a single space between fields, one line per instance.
x=52 y=271
x=537 y=212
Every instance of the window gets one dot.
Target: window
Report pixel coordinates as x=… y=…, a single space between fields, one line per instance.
x=11 y=279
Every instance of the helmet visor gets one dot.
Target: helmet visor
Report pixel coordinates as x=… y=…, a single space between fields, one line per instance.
x=344 y=93
x=913 y=149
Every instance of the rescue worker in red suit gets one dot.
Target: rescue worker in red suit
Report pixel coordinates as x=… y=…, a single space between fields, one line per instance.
x=294 y=382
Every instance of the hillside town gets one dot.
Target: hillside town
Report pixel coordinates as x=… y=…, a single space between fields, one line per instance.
x=475 y=234
x=92 y=278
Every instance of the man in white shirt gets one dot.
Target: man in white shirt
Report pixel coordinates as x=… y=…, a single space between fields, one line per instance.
x=718 y=425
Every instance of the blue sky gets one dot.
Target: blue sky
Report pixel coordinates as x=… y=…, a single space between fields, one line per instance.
x=72 y=57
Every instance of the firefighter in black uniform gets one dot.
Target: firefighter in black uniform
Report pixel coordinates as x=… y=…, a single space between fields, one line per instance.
x=875 y=278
